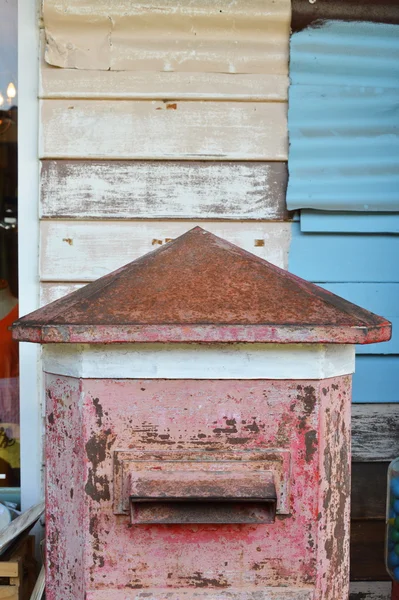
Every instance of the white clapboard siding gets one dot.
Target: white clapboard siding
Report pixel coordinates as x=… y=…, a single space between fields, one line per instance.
x=244 y=36
x=370 y=590
x=163 y=189
x=163 y=130
x=86 y=250
x=50 y=291
x=58 y=83
x=375 y=432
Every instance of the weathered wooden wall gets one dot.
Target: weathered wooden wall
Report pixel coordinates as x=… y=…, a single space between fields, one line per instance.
x=136 y=149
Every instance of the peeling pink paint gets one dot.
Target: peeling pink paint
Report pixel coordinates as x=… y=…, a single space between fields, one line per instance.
x=334 y=490
x=93 y=552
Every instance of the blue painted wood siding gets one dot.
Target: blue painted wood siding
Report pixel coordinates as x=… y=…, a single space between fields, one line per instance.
x=364 y=269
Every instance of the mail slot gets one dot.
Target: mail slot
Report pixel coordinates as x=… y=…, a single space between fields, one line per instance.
x=198 y=430
x=196 y=497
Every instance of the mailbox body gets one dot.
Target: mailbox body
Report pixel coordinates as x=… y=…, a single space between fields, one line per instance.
x=103 y=430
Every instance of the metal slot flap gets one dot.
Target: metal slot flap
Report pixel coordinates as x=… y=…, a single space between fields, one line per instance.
x=202 y=497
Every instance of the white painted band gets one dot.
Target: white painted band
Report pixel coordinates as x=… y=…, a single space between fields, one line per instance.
x=200 y=361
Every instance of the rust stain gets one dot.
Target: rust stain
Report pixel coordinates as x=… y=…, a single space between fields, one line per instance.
x=98 y=558
x=237 y=440
x=259 y=243
x=68 y=241
x=310 y=444
x=307 y=395
x=98 y=486
x=148 y=433
x=99 y=411
x=198 y=580
x=172 y=106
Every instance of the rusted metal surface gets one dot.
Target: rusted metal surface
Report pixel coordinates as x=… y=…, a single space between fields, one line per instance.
x=215 y=512
x=206 y=496
x=297 y=557
x=130 y=465
x=305 y=13
x=201 y=288
x=202 y=485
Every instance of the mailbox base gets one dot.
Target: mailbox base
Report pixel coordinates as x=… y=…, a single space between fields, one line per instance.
x=211 y=594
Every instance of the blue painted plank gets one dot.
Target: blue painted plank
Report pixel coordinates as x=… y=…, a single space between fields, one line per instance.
x=333 y=257
x=380 y=298
x=313 y=221
x=376 y=379
x=343 y=117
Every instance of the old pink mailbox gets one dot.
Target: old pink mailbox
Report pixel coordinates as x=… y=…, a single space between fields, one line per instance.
x=198 y=430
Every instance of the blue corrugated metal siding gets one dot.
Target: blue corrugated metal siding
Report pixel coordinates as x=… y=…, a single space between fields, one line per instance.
x=338 y=53
x=344 y=117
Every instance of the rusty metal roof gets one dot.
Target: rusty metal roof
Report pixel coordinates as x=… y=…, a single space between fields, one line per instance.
x=201 y=288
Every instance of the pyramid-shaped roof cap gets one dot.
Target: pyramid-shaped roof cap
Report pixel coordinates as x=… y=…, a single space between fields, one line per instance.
x=201 y=288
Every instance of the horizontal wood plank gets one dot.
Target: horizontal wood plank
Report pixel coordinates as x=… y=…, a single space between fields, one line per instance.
x=338 y=258
x=85 y=250
x=244 y=36
x=367 y=551
x=375 y=432
x=9 y=592
x=51 y=291
x=370 y=590
x=376 y=379
x=313 y=221
x=9 y=568
x=158 y=189
x=58 y=83
x=379 y=298
x=369 y=488
x=163 y=130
